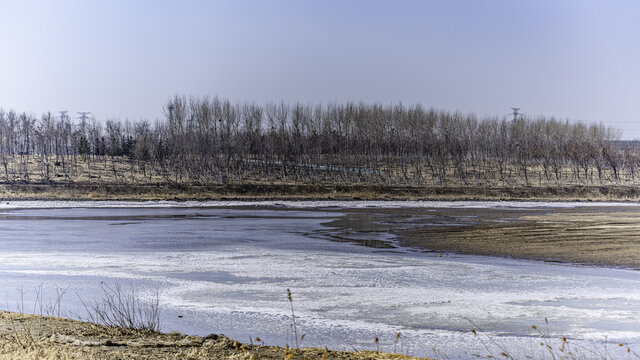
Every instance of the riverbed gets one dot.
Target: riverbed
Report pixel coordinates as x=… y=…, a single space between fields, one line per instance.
x=226 y=267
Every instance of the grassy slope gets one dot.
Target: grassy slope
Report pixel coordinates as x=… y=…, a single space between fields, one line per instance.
x=120 y=179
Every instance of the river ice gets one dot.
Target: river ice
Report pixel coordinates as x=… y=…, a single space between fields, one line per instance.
x=227 y=270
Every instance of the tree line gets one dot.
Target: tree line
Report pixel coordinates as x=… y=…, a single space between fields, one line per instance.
x=213 y=141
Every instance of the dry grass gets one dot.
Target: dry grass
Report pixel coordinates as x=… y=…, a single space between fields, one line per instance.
x=107 y=178
x=124 y=326
x=125 y=307
x=36 y=337
x=24 y=336
x=547 y=347
x=55 y=338
x=262 y=191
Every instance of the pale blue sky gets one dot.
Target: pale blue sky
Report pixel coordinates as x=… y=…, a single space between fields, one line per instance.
x=576 y=59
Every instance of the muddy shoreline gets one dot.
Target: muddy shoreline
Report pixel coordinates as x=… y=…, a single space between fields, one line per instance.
x=600 y=236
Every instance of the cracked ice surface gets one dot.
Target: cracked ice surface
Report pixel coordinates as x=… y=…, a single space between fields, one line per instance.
x=227 y=271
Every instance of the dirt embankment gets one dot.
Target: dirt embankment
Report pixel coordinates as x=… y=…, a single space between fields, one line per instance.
x=115 y=191
x=35 y=337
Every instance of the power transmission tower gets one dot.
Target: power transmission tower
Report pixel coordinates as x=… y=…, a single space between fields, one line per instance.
x=515 y=114
x=83 y=119
x=63 y=117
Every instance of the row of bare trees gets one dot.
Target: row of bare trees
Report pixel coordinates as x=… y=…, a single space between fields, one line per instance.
x=211 y=141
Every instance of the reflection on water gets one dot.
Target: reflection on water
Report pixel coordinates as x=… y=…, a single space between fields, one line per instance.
x=363 y=229
x=363 y=223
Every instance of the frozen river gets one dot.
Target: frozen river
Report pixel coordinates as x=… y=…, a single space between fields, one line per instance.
x=226 y=270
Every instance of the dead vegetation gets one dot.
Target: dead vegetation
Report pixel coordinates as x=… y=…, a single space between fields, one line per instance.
x=265 y=191
x=125 y=307
x=35 y=337
x=123 y=323
x=211 y=141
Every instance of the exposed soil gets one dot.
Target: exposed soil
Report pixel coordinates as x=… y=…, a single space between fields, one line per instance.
x=258 y=190
x=35 y=337
x=605 y=236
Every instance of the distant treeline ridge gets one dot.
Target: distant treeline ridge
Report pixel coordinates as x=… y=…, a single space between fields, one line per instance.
x=212 y=140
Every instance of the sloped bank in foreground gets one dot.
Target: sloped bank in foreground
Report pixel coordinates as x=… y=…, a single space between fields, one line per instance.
x=24 y=336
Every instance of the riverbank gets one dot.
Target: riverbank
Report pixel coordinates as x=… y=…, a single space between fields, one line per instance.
x=601 y=236
x=261 y=191
x=24 y=336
